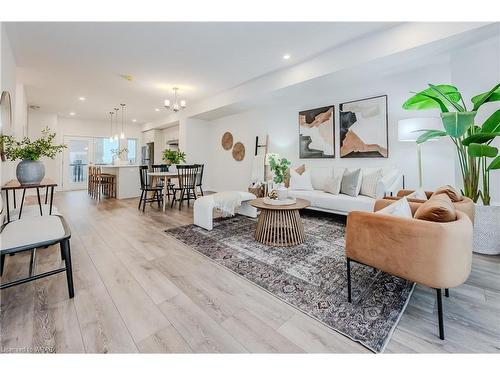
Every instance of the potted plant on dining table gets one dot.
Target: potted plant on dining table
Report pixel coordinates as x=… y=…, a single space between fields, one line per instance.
x=31 y=170
x=173 y=157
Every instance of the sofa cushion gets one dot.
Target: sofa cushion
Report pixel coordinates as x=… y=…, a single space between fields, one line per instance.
x=300 y=181
x=451 y=192
x=332 y=185
x=438 y=208
x=319 y=175
x=369 y=183
x=300 y=169
x=342 y=202
x=418 y=194
x=351 y=183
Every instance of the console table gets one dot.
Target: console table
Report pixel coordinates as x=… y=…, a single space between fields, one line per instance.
x=14 y=185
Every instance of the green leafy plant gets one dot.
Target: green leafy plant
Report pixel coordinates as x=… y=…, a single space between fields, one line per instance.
x=173 y=156
x=472 y=141
x=27 y=149
x=118 y=151
x=279 y=167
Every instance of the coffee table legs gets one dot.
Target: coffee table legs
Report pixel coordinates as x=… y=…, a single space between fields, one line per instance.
x=280 y=228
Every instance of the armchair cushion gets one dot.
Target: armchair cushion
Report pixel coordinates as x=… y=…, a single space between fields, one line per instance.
x=439 y=208
x=451 y=192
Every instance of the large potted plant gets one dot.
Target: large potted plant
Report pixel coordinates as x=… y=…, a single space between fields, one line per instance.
x=474 y=150
x=30 y=171
x=173 y=157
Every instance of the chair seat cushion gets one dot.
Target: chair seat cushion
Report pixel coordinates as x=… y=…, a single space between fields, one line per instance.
x=31 y=231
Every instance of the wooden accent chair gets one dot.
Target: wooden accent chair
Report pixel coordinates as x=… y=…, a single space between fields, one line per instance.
x=434 y=254
x=147 y=187
x=187 y=175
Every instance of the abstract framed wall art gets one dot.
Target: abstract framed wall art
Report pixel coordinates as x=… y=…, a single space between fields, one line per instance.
x=317 y=133
x=364 y=129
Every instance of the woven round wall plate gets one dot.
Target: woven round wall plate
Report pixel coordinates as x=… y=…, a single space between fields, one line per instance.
x=227 y=141
x=238 y=151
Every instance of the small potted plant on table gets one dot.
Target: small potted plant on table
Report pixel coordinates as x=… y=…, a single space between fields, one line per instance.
x=31 y=171
x=173 y=157
x=279 y=166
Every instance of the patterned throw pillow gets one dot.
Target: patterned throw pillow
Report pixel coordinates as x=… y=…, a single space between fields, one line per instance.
x=369 y=183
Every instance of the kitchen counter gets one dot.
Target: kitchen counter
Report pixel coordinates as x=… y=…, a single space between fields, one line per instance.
x=128 y=184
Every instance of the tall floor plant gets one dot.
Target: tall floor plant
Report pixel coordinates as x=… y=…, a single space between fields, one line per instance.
x=472 y=142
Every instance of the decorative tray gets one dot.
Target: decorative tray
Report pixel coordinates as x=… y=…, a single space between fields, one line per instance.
x=276 y=202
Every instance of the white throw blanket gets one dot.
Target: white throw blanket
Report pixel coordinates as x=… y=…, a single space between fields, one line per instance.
x=227 y=202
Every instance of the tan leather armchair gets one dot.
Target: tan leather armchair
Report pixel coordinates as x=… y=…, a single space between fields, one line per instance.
x=466 y=205
x=434 y=254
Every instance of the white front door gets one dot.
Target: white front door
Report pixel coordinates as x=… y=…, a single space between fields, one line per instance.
x=77 y=157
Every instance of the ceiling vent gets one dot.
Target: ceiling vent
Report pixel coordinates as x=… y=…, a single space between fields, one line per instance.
x=35 y=107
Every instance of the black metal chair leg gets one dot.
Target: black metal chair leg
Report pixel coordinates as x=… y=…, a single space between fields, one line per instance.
x=181 y=199
x=349 y=280
x=158 y=198
x=440 y=314
x=2 y=262
x=446 y=292
x=22 y=204
x=140 y=200
x=65 y=246
x=144 y=200
x=201 y=191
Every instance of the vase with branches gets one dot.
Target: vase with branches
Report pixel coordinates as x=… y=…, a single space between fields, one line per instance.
x=472 y=141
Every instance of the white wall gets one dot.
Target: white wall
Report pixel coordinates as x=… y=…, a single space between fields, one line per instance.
x=72 y=127
x=9 y=82
x=279 y=118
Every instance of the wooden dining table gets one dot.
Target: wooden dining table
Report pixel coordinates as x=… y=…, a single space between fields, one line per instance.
x=155 y=176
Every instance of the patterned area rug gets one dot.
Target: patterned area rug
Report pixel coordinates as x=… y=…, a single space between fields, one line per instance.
x=311 y=276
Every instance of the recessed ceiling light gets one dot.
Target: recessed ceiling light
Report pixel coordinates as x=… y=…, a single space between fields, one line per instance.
x=82 y=98
x=72 y=113
x=134 y=120
x=286 y=56
x=157 y=109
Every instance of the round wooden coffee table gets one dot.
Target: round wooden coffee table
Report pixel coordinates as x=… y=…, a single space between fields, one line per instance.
x=280 y=225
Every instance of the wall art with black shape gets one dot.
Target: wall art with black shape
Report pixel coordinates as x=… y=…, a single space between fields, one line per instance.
x=363 y=128
x=317 y=133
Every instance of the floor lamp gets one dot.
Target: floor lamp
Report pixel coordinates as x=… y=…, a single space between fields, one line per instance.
x=408 y=131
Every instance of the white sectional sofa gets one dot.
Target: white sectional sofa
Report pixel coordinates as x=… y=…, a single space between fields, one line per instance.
x=390 y=183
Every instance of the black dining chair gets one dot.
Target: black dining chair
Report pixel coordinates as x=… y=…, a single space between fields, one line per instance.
x=163 y=168
x=199 y=178
x=146 y=187
x=187 y=184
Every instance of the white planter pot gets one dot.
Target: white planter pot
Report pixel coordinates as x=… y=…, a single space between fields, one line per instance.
x=487 y=230
x=117 y=161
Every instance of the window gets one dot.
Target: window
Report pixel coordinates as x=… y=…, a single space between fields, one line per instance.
x=132 y=150
x=102 y=150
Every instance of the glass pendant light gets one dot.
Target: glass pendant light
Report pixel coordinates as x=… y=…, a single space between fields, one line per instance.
x=122 y=134
x=116 y=122
x=111 y=127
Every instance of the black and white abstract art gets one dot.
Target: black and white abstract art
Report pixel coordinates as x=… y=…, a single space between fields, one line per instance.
x=317 y=133
x=363 y=128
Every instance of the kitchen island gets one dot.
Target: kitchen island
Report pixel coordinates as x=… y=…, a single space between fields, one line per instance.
x=128 y=184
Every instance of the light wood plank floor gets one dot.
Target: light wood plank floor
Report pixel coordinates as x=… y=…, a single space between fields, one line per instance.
x=138 y=290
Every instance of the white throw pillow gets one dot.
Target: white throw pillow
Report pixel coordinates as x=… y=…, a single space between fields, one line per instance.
x=400 y=208
x=418 y=194
x=300 y=181
x=332 y=185
x=369 y=183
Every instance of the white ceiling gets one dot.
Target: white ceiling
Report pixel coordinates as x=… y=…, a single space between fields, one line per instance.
x=60 y=62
